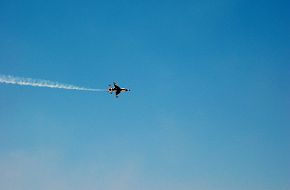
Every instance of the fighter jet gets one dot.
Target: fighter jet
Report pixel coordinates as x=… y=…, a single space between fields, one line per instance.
x=117 y=89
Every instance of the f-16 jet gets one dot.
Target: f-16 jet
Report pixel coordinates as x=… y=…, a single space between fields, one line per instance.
x=116 y=89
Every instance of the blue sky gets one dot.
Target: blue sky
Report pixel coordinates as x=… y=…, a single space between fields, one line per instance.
x=209 y=108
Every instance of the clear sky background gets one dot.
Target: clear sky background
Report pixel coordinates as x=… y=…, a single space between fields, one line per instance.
x=209 y=110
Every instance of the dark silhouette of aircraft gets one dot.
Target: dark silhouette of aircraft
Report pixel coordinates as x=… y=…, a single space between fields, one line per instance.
x=117 y=89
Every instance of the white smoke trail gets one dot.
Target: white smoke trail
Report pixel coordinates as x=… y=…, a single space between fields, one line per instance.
x=7 y=79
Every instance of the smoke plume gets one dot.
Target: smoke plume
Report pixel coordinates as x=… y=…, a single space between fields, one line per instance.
x=8 y=79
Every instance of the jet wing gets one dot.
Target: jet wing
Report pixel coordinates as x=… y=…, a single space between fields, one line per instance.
x=117 y=87
x=118 y=92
